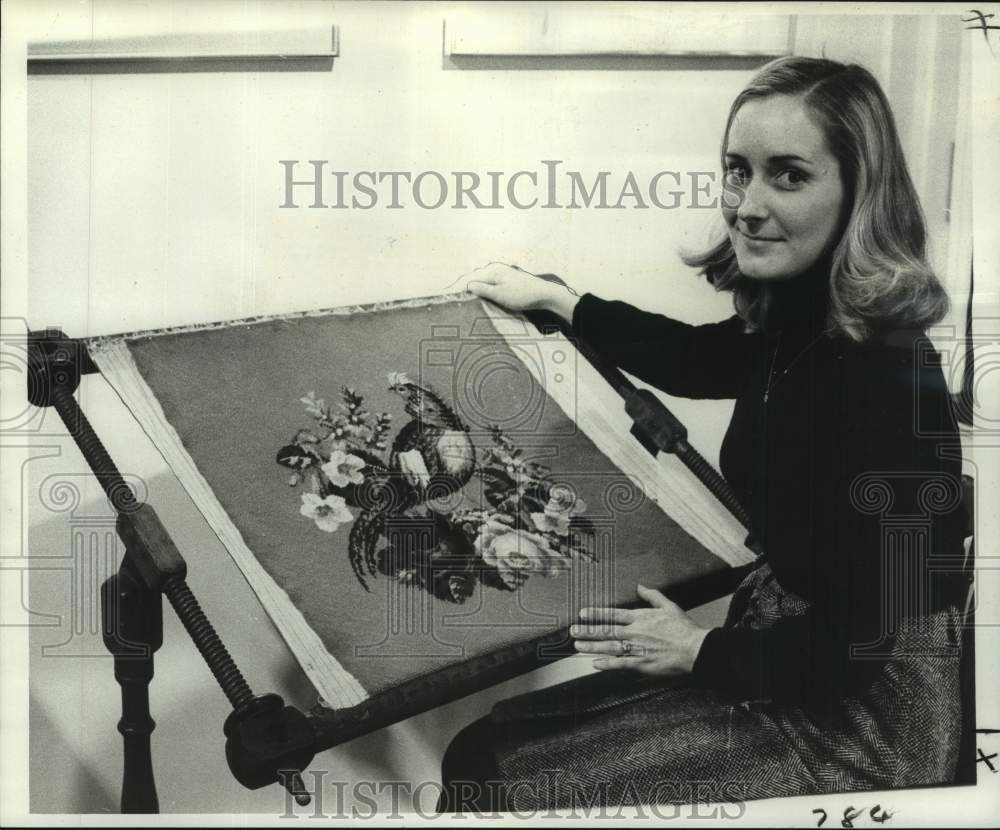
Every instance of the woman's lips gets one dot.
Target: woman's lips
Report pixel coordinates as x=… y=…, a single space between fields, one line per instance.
x=753 y=238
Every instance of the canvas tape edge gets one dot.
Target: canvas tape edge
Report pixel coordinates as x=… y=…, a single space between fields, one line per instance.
x=338 y=687
x=98 y=341
x=708 y=521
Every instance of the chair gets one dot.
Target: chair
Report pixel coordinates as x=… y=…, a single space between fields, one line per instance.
x=965 y=772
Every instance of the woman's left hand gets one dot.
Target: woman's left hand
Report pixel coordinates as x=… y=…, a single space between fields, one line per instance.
x=661 y=640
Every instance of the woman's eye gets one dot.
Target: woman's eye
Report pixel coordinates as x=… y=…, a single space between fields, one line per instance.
x=792 y=178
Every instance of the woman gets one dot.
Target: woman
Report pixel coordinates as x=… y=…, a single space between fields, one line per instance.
x=837 y=667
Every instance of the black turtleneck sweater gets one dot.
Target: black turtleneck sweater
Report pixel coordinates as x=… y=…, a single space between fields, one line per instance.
x=814 y=414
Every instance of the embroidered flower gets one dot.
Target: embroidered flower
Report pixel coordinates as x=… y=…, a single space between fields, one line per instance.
x=517 y=553
x=490 y=527
x=494 y=545
x=562 y=506
x=343 y=469
x=328 y=513
x=314 y=406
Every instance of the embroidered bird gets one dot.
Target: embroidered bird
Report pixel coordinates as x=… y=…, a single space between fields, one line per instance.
x=431 y=458
x=433 y=450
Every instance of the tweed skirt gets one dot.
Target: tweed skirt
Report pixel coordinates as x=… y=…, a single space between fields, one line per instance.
x=616 y=738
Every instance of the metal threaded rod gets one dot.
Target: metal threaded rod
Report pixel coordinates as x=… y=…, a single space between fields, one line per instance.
x=123 y=500
x=717 y=485
x=119 y=493
x=219 y=661
x=691 y=458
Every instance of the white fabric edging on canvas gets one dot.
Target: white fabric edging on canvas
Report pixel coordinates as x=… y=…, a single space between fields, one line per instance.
x=338 y=687
x=341 y=311
x=664 y=479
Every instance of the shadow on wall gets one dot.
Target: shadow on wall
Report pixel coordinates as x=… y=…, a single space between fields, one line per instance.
x=608 y=63
x=59 y=780
x=150 y=66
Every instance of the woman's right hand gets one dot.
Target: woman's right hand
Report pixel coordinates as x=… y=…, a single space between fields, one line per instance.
x=518 y=290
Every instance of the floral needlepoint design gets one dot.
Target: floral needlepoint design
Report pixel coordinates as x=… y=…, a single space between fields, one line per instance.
x=562 y=506
x=417 y=518
x=343 y=469
x=329 y=513
x=517 y=553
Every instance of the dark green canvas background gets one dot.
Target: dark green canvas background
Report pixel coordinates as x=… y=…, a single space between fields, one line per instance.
x=232 y=394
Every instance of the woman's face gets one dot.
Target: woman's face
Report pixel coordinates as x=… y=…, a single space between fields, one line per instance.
x=783 y=191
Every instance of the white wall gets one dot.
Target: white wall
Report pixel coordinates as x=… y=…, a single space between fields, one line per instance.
x=917 y=59
x=154 y=197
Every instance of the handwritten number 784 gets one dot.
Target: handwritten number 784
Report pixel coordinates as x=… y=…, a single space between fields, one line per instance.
x=876 y=814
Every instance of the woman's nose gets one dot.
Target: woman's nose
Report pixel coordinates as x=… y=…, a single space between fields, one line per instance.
x=751 y=206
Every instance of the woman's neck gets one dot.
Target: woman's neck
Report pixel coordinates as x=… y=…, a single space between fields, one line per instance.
x=801 y=300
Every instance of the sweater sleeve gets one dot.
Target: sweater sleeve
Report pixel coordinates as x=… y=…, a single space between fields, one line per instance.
x=884 y=437
x=707 y=361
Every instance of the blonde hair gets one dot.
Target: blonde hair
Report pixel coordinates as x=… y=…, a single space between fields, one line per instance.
x=879 y=275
